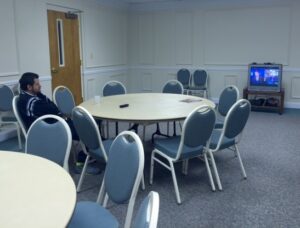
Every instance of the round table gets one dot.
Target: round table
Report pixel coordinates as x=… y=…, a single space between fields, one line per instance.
x=145 y=107
x=34 y=192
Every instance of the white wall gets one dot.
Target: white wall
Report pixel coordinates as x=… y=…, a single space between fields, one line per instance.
x=221 y=40
x=144 y=49
x=25 y=46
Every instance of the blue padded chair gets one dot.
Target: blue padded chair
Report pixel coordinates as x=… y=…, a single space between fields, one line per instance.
x=120 y=184
x=50 y=137
x=227 y=98
x=89 y=135
x=64 y=100
x=199 y=82
x=184 y=76
x=112 y=88
x=194 y=141
x=174 y=87
x=147 y=215
x=228 y=137
x=6 y=99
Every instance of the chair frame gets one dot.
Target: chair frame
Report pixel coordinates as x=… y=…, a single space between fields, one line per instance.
x=103 y=196
x=237 y=92
x=235 y=148
x=17 y=115
x=185 y=91
x=205 y=91
x=177 y=158
x=69 y=135
x=107 y=122
x=111 y=82
x=151 y=211
x=154 y=206
x=174 y=81
x=58 y=88
x=84 y=147
x=16 y=123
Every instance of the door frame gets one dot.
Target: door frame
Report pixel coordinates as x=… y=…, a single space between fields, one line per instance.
x=79 y=12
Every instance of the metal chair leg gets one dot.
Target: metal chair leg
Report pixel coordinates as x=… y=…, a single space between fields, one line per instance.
x=83 y=173
x=19 y=136
x=212 y=184
x=151 y=168
x=143 y=183
x=215 y=170
x=240 y=161
x=175 y=182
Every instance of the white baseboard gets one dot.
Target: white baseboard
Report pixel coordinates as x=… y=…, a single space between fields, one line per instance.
x=293 y=105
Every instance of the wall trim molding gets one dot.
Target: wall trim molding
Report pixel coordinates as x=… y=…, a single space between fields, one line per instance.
x=9 y=74
x=294 y=105
x=208 y=68
x=16 y=81
x=95 y=70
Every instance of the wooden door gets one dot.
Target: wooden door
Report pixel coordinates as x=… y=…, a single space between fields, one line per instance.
x=65 y=52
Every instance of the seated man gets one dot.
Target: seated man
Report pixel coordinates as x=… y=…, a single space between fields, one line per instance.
x=33 y=104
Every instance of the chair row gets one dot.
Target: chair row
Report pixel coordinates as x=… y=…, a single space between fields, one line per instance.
x=120 y=173
x=99 y=149
x=123 y=173
x=200 y=138
x=193 y=83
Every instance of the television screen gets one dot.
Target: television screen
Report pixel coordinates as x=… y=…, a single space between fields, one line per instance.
x=265 y=77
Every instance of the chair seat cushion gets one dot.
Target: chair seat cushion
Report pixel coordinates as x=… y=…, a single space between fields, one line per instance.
x=9 y=119
x=97 y=154
x=92 y=215
x=169 y=146
x=215 y=139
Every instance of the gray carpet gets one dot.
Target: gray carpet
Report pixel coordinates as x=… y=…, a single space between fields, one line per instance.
x=270 y=197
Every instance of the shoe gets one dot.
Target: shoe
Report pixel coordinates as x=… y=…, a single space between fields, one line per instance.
x=91 y=170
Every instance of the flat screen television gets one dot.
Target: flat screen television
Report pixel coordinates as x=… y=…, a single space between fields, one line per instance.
x=264 y=77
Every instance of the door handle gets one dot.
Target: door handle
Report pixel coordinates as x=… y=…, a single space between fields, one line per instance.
x=54 y=70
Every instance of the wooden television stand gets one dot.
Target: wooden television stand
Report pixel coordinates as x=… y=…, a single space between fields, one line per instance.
x=266 y=94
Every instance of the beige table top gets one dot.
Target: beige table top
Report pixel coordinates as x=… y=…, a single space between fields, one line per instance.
x=34 y=192
x=144 y=107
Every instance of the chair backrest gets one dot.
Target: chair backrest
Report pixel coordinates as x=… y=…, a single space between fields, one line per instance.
x=173 y=86
x=50 y=137
x=183 y=75
x=197 y=128
x=17 y=114
x=237 y=118
x=124 y=171
x=6 y=98
x=64 y=100
x=200 y=78
x=227 y=98
x=113 y=88
x=87 y=130
x=147 y=215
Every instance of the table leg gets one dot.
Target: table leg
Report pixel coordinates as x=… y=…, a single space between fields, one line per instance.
x=158 y=132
